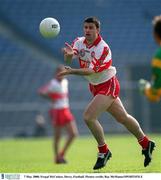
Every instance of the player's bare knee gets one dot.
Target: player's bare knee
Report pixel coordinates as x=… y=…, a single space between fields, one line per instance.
x=88 y=118
x=73 y=134
x=123 y=118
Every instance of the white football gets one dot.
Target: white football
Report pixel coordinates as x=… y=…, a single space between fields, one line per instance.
x=49 y=27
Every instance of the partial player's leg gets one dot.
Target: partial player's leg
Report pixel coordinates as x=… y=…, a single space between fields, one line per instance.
x=119 y=113
x=98 y=105
x=72 y=132
x=56 y=143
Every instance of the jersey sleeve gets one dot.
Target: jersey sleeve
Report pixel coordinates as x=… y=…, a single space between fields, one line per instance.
x=44 y=89
x=102 y=61
x=156 y=61
x=156 y=69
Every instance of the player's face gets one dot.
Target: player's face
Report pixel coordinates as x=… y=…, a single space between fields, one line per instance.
x=90 y=32
x=59 y=78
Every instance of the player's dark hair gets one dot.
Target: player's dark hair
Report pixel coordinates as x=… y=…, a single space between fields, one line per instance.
x=157 y=26
x=93 y=20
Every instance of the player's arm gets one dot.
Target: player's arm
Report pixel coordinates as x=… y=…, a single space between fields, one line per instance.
x=44 y=92
x=44 y=95
x=68 y=53
x=82 y=71
x=149 y=89
x=71 y=51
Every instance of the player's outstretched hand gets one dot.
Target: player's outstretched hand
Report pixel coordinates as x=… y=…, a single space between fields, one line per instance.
x=66 y=70
x=143 y=84
x=68 y=53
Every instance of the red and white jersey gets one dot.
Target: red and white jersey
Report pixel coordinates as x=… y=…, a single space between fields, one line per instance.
x=97 y=56
x=58 y=92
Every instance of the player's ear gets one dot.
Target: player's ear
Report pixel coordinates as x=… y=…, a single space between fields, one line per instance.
x=98 y=30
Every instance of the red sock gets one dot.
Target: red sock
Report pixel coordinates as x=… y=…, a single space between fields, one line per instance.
x=61 y=153
x=144 y=142
x=103 y=148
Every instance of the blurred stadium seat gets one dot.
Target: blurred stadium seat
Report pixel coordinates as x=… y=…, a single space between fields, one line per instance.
x=126 y=25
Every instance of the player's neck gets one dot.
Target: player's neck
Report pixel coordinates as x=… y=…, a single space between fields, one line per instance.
x=91 y=41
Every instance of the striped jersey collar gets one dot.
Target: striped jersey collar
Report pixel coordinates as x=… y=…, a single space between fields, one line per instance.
x=99 y=38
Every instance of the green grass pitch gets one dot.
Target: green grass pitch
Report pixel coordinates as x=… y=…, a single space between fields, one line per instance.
x=35 y=155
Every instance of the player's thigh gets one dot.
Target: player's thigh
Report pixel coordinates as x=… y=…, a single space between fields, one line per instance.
x=117 y=109
x=100 y=103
